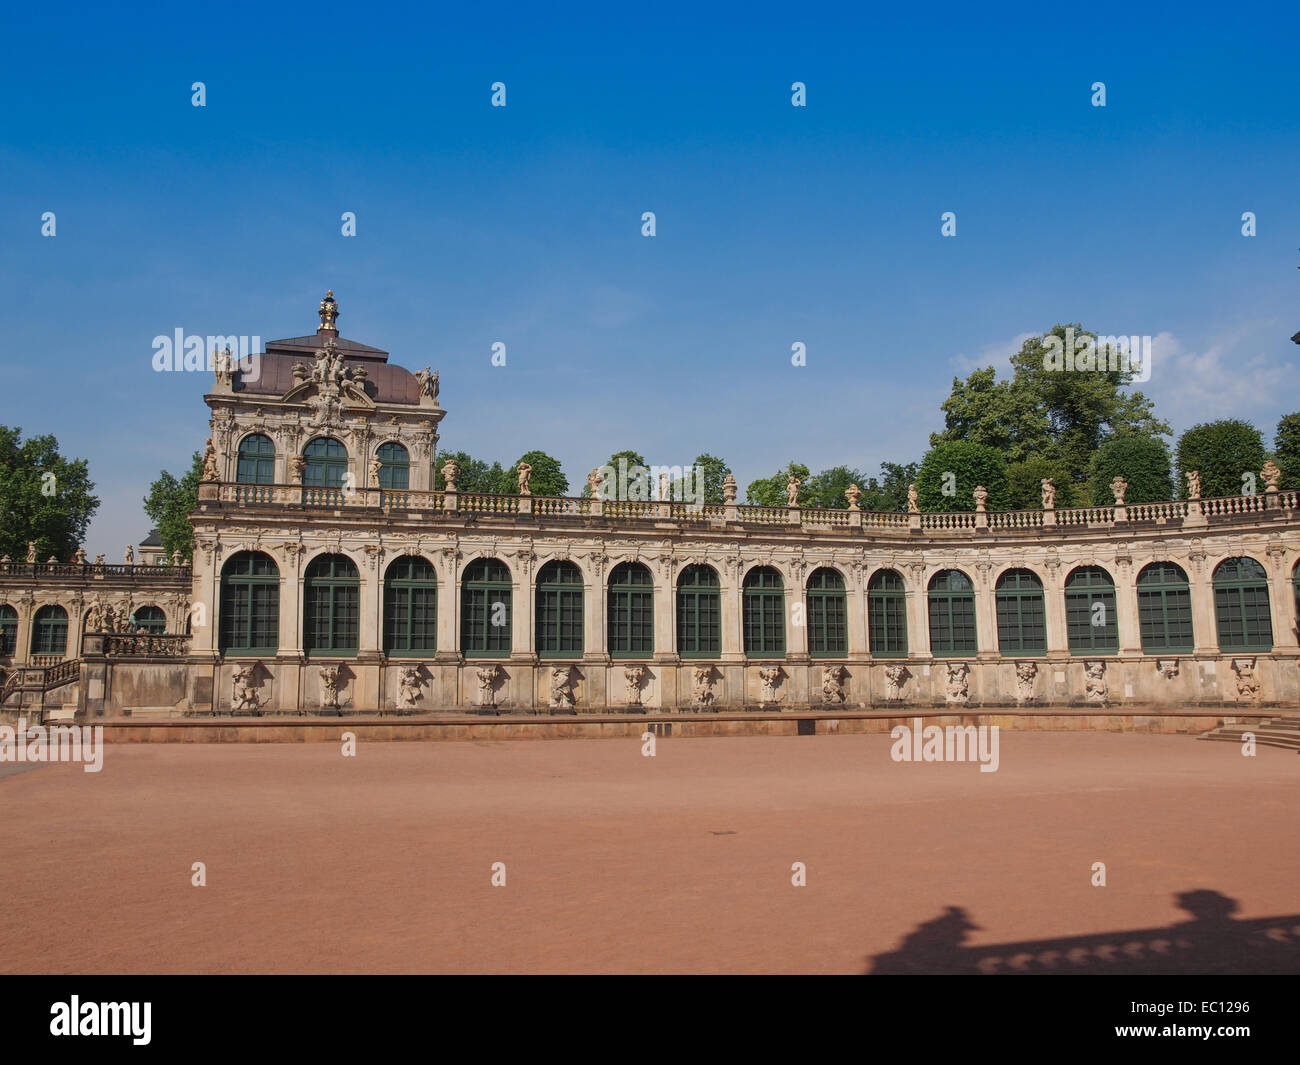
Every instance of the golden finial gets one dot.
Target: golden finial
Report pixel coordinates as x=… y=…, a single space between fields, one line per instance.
x=329 y=312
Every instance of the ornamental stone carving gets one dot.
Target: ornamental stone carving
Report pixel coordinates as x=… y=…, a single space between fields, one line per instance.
x=1167 y=667
x=632 y=677
x=1193 y=484
x=593 y=484
x=408 y=687
x=1025 y=674
x=958 y=687
x=1271 y=475
x=210 y=471
x=833 y=683
x=981 y=495
x=1118 y=487
x=450 y=471
x=1049 y=494
x=792 y=491
x=896 y=678
x=913 y=506
x=525 y=471
x=1247 y=682
x=487 y=678
x=703 y=677
x=768 y=678
x=853 y=493
x=562 y=697
x=729 y=490
x=243 y=689
x=1094 y=682
x=329 y=688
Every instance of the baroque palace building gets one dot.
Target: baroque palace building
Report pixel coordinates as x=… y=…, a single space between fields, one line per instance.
x=329 y=576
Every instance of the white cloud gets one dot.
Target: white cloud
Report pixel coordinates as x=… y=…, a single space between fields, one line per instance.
x=997 y=354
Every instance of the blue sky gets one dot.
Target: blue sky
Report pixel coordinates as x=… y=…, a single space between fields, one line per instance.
x=522 y=225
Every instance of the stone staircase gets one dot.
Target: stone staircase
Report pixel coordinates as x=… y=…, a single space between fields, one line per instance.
x=1281 y=732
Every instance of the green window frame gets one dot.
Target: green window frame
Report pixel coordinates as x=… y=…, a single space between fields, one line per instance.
x=250 y=605
x=151 y=619
x=887 y=614
x=828 y=610
x=1021 y=613
x=952 y=614
x=8 y=631
x=256 y=462
x=327 y=463
x=50 y=631
x=1242 y=618
x=485 y=583
x=699 y=613
x=395 y=467
x=331 y=607
x=631 y=620
x=1164 y=609
x=763 y=599
x=1087 y=588
x=558 y=598
x=410 y=607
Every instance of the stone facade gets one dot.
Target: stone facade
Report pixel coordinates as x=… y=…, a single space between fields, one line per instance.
x=321 y=387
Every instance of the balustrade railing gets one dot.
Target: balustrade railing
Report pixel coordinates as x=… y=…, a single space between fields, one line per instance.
x=155 y=645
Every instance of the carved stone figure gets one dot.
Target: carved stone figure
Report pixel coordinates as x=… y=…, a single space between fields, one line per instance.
x=210 y=471
x=223 y=367
x=329 y=688
x=981 y=495
x=177 y=560
x=593 y=482
x=99 y=560
x=487 y=678
x=729 y=489
x=664 y=491
x=913 y=506
x=1049 y=494
x=958 y=683
x=1094 y=682
x=408 y=687
x=1025 y=674
x=792 y=491
x=297 y=467
x=562 y=688
x=128 y=556
x=243 y=693
x=31 y=551
x=632 y=676
x=853 y=493
x=95 y=617
x=896 y=678
x=428 y=382
x=833 y=683
x=703 y=685
x=1167 y=668
x=525 y=471
x=1247 y=682
x=1193 y=484
x=300 y=373
x=1118 y=487
x=1271 y=475
x=79 y=556
x=375 y=467
x=450 y=471
x=768 y=677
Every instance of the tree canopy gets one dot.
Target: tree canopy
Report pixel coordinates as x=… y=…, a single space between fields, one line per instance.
x=44 y=497
x=1228 y=453
x=168 y=505
x=951 y=471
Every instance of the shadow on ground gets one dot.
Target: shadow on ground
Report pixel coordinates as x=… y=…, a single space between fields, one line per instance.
x=1211 y=942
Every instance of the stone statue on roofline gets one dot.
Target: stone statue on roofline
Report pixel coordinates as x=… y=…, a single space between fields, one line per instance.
x=913 y=506
x=1193 y=484
x=792 y=491
x=525 y=471
x=1049 y=494
x=1118 y=487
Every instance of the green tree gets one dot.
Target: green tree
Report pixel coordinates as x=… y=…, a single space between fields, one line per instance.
x=1047 y=410
x=633 y=459
x=548 y=477
x=950 y=472
x=826 y=489
x=1143 y=461
x=771 y=491
x=715 y=471
x=44 y=497
x=1025 y=483
x=889 y=493
x=169 y=504
x=1224 y=452
x=1287 y=447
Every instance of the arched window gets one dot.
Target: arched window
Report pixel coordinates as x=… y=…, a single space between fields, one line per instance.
x=8 y=630
x=410 y=607
x=485 y=610
x=887 y=614
x=50 y=631
x=1090 y=620
x=1022 y=625
x=764 y=612
x=331 y=606
x=631 y=620
x=699 y=613
x=559 y=610
x=256 y=460
x=1164 y=608
x=327 y=463
x=952 y=614
x=828 y=630
x=151 y=619
x=250 y=605
x=1241 y=613
x=395 y=468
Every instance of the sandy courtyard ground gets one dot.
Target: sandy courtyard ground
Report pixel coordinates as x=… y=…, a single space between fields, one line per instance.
x=620 y=863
